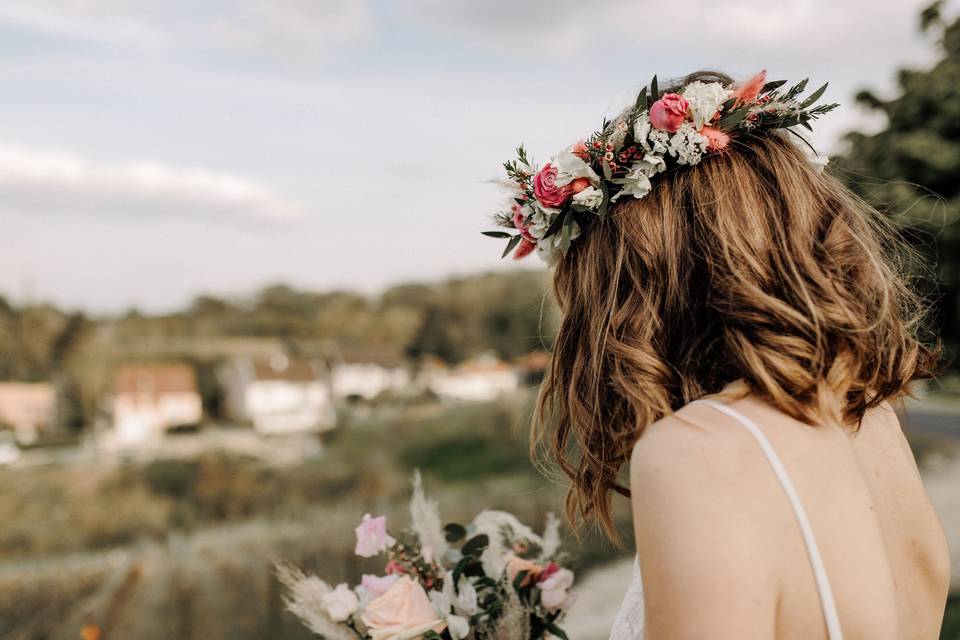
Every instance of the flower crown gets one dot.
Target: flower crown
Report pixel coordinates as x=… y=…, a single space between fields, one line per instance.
x=552 y=204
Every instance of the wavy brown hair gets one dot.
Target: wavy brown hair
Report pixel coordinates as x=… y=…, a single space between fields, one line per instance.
x=750 y=265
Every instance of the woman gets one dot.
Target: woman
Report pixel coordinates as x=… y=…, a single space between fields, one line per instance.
x=734 y=329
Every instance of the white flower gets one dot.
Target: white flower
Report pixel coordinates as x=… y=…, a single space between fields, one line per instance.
x=554 y=591
x=591 y=197
x=459 y=627
x=687 y=145
x=570 y=167
x=641 y=128
x=636 y=183
x=652 y=140
x=455 y=606
x=705 y=99
x=340 y=603
x=541 y=219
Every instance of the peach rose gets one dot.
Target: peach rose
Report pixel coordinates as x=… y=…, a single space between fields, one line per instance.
x=404 y=609
x=668 y=113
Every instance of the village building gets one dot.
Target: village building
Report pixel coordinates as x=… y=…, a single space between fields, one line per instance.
x=151 y=398
x=278 y=394
x=27 y=409
x=479 y=380
x=366 y=375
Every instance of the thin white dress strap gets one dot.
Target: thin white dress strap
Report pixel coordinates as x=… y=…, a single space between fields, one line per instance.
x=816 y=561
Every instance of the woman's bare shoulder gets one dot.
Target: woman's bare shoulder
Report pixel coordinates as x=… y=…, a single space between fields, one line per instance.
x=692 y=523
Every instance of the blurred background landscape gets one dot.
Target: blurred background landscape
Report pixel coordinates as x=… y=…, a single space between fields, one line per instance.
x=201 y=373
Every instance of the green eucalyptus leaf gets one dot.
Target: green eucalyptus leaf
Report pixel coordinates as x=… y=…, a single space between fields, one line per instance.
x=773 y=84
x=454 y=532
x=654 y=90
x=496 y=234
x=475 y=545
x=556 y=224
x=565 y=237
x=514 y=241
x=641 y=104
x=733 y=118
x=813 y=97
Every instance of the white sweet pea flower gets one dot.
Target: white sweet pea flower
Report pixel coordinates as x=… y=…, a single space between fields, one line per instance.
x=705 y=99
x=591 y=197
x=570 y=167
x=636 y=183
x=458 y=626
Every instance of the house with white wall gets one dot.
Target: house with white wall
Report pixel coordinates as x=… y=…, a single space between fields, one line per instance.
x=278 y=394
x=366 y=375
x=27 y=408
x=478 y=380
x=150 y=398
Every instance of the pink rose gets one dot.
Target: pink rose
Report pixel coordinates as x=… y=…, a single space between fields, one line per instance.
x=372 y=537
x=667 y=113
x=403 y=609
x=546 y=189
x=376 y=585
x=555 y=589
x=716 y=140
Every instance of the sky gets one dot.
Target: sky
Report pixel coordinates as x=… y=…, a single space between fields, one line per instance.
x=150 y=151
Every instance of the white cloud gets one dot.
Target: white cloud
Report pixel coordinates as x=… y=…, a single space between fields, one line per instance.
x=667 y=30
x=46 y=182
x=277 y=26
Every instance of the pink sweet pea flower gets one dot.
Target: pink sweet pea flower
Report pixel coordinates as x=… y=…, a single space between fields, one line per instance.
x=372 y=536
x=555 y=589
x=518 y=222
x=668 y=113
x=749 y=90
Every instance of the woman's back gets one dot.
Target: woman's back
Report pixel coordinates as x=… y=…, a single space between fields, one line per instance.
x=722 y=553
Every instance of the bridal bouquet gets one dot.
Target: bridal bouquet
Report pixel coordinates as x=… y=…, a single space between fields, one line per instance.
x=492 y=579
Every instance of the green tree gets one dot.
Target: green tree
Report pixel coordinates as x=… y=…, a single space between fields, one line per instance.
x=911 y=169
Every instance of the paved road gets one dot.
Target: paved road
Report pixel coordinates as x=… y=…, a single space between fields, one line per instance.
x=945 y=424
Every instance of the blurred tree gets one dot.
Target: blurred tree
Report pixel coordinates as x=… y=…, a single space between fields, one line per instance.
x=911 y=169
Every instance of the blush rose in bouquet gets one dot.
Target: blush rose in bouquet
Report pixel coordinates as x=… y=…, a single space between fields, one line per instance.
x=494 y=578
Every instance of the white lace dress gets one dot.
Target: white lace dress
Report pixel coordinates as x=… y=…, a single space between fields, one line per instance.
x=629 y=622
x=630 y=619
